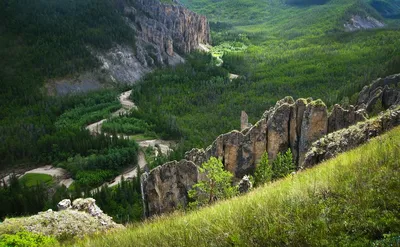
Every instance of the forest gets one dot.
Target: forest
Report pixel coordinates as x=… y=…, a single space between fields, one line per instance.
x=279 y=48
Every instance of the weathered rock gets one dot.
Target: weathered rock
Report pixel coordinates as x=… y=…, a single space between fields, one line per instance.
x=278 y=130
x=289 y=124
x=244 y=121
x=70 y=222
x=245 y=185
x=341 y=118
x=87 y=205
x=385 y=91
x=346 y=139
x=64 y=204
x=358 y=22
x=167 y=27
x=313 y=127
x=165 y=187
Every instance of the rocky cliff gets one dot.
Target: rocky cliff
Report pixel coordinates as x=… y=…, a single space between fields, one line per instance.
x=295 y=125
x=163 y=33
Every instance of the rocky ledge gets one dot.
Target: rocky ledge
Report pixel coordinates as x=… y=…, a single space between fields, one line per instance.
x=80 y=218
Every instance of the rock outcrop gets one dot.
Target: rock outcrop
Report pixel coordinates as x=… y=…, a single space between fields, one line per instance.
x=385 y=92
x=166 y=187
x=82 y=217
x=289 y=124
x=343 y=140
x=341 y=118
x=358 y=22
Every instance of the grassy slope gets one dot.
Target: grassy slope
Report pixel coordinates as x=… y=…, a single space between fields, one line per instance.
x=348 y=201
x=32 y=179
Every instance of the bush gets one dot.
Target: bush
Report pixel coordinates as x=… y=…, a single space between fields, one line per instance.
x=27 y=239
x=263 y=173
x=283 y=165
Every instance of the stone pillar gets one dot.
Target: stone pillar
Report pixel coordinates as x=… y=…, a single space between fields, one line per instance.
x=244 y=121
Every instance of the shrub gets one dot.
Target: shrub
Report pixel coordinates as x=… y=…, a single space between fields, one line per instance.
x=27 y=239
x=263 y=173
x=218 y=184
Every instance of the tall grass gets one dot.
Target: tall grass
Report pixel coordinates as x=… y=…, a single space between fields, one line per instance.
x=352 y=200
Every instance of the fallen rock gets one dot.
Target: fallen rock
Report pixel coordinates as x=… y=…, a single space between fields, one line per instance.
x=245 y=185
x=64 y=204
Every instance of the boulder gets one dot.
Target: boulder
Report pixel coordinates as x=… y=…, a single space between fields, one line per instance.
x=64 y=204
x=245 y=185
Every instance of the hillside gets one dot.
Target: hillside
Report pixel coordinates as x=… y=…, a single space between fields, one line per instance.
x=352 y=200
x=277 y=50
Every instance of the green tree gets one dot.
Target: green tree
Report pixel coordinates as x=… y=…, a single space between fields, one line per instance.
x=216 y=186
x=283 y=165
x=263 y=173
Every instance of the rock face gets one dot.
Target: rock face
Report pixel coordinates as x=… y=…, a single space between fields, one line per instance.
x=166 y=187
x=382 y=91
x=163 y=33
x=341 y=118
x=358 y=22
x=346 y=139
x=82 y=218
x=313 y=126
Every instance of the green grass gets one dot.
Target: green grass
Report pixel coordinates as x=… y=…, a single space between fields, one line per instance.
x=352 y=200
x=32 y=179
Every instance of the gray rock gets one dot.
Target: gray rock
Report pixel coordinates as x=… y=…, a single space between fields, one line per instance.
x=64 y=204
x=245 y=185
x=313 y=127
x=385 y=91
x=341 y=118
x=346 y=139
x=166 y=187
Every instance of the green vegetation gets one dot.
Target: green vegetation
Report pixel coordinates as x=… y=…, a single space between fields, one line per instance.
x=32 y=179
x=27 y=239
x=122 y=202
x=40 y=41
x=129 y=126
x=282 y=166
x=216 y=186
x=352 y=200
x=278 y=49
x=263 y=173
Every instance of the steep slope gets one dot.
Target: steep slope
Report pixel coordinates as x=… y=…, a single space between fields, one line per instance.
x=352 y=200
